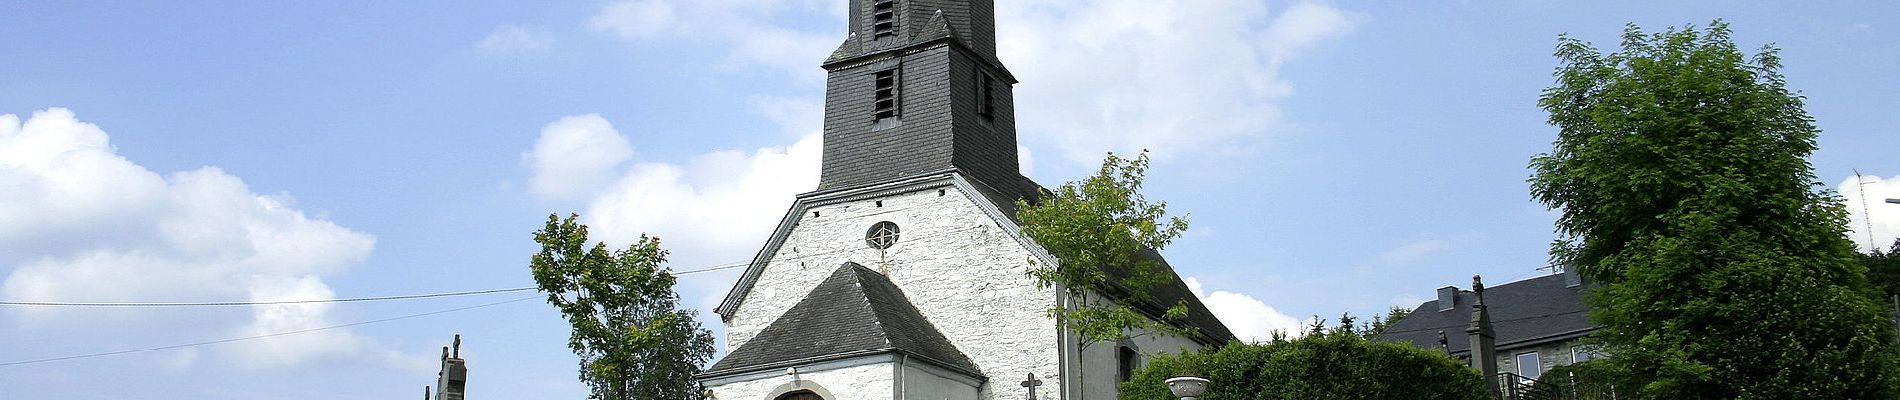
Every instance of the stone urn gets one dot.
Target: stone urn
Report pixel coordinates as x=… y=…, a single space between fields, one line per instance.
x=1187 y=387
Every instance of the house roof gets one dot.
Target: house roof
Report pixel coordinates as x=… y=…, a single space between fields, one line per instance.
x=1523 y=313
x=855 y=311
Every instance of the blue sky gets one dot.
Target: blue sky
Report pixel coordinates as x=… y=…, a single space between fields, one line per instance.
x=1333 y=157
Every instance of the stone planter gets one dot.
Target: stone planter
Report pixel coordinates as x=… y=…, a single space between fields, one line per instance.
x=1187 y=387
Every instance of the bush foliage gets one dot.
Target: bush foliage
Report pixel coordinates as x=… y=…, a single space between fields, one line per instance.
x=1334 y=365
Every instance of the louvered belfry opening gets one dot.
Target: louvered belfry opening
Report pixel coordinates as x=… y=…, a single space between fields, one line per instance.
x=886 y=95
x=883 y=19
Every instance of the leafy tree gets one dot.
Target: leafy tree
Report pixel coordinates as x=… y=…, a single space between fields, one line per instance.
x=633 y=339
x=1681 y=171
x=1337 y=364
x=1593 y=379
x=1883 y=269
x=1098 y=229
x=1379 y=323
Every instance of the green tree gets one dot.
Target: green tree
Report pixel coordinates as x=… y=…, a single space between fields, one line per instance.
x=633 y=339
x=1337 y=364
x=1883 y=269
x=1681 y=171
x=1098 y=229
x=1379 y=323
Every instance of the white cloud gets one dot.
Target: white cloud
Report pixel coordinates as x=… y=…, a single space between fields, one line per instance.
x=748 y=28
x=575 y=156
x=514 y=39
x=1173 y=76
x=1249 y=318
x=1414 y=251
x=1885 y=222
x=81 y=223
x=292 y=349
x=1025 y=161
x=716 y=208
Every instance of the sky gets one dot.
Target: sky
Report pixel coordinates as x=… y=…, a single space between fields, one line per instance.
x=1332 y=157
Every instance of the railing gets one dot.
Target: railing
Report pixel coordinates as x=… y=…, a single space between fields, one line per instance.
x=1519 y=387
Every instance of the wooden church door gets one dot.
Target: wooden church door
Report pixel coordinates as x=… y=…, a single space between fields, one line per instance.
x=800 y=396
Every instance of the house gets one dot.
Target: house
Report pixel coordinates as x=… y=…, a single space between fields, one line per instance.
x=904 y=274
x=1537 y=323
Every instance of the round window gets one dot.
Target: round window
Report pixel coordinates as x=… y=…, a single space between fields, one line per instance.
x=882 y=235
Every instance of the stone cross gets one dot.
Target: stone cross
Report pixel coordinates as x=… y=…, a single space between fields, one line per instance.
x=1032 y=383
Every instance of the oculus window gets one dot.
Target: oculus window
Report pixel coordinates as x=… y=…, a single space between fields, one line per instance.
x=882 y=235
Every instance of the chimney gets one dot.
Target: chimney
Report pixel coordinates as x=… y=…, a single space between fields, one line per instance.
x=1571 y=277
x=1447 y=298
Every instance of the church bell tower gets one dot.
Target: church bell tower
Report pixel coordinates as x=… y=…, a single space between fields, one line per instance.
x=919 y=183
x=915 y=89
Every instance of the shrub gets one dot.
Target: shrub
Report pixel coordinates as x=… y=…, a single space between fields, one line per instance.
x=1333 y=365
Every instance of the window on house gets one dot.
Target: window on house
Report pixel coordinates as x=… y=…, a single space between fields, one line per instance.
x=1529 y=366
x=883 y=19
x=986 y=89
x=1125 y=360
x=886 y=100
x=1581 y=353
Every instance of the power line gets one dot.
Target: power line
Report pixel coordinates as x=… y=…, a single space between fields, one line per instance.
x=269 y=335
x=400 y=297
x=262 y=303
x=307 y=301
x=716 y=267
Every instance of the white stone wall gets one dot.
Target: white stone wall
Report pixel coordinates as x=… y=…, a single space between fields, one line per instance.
x=956 y=264
x=868 y=382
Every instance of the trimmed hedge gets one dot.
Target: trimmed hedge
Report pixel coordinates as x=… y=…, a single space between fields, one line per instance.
x=1334 y=365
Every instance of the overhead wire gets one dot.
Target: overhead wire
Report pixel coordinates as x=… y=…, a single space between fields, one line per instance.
x=263 y=336
x=715 y=267
x=358 y=299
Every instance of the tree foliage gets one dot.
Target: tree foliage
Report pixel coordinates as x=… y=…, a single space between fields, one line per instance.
x=1594 y=379
x=1883 y=269
x=1337 y=364
x=1098 y=229
x=1681 y=171
x=633 y=339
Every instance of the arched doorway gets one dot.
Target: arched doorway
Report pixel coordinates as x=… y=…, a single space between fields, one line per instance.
x=800 y=395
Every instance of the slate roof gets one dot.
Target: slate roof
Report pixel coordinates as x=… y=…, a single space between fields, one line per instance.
x=855 y=311
x=1164 y=296
x=1523 y=313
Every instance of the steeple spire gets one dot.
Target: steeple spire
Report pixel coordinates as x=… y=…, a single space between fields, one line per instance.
x=916 y=88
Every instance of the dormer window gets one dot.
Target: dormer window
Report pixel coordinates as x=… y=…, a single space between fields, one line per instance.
x=883 y=19
x=886 y=105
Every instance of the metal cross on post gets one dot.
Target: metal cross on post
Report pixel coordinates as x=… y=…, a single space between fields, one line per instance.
x=1031 y=384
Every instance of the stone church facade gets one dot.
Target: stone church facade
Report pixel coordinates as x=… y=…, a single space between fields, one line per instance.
x=905 y=275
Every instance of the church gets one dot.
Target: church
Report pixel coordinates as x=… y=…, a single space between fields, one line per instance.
x=904 y=275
